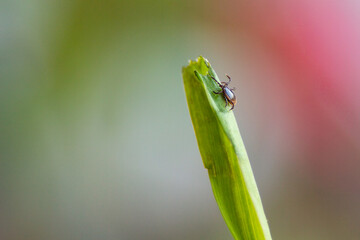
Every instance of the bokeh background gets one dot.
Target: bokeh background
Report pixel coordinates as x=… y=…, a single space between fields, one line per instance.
x=96 y=140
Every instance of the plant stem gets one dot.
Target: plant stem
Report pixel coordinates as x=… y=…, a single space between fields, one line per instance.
x=223 y=153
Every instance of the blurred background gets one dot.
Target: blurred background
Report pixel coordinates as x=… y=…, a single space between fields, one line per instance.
x=96 y=141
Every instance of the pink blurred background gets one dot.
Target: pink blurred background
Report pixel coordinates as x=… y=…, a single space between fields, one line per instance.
x=303 y=57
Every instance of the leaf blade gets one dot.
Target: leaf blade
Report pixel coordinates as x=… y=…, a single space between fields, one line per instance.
x=223 y=153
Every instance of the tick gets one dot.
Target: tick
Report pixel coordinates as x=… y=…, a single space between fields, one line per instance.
x=229 y=95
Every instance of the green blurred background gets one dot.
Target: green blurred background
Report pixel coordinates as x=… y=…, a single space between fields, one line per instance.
x=96 y=140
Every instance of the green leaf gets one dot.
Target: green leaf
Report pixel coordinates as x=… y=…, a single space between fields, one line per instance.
x=223 y=153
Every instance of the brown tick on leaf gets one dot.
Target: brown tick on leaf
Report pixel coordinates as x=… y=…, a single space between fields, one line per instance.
x=229 y=95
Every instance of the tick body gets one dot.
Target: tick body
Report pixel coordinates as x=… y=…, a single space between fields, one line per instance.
x=229 y=95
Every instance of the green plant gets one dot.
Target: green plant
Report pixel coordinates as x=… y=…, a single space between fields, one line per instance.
x=224 y=154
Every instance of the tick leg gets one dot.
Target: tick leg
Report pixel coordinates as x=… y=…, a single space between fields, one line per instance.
x=232 y=106
x=228 y=78
x=232 y=89
x=216 y=81
x=226 y=102
x=217 y=92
